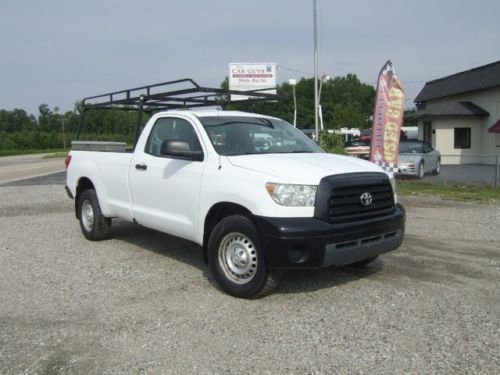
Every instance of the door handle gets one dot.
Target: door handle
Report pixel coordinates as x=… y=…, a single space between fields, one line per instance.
x=141 y=166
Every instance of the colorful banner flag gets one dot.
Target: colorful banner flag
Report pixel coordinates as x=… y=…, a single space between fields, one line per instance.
x=387 y=118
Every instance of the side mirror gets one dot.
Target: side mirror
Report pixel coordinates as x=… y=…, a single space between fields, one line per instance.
x=177 y=149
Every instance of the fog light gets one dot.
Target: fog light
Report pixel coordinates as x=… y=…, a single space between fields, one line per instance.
x=298 y=254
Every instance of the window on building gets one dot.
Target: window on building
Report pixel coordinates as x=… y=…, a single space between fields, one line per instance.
x=462 y=137
x=498 y=139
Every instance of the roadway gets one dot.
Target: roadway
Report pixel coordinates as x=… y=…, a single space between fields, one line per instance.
x=19 y=167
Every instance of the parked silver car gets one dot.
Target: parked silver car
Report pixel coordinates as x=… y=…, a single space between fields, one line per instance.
x=417 y=158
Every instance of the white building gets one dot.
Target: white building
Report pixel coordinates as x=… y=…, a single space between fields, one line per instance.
x=460 y=115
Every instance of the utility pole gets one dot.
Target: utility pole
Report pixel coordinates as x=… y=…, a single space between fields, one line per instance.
x=315 y=23
x=293 y=83
x=324 y=78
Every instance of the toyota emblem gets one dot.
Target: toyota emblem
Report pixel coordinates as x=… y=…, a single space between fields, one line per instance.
x=366 y=199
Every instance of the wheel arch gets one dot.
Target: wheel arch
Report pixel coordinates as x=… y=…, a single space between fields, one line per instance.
x=84 y=183
x=215 y=214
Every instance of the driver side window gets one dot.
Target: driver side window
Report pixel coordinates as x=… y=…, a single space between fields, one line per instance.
x=172 y=129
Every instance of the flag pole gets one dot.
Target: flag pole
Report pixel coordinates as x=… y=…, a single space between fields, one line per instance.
x=316 y=124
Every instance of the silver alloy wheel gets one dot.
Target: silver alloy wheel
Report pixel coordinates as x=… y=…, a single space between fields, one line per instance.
x=87 y=215
x=238 y=258
x=438 y=167
x=421 y=170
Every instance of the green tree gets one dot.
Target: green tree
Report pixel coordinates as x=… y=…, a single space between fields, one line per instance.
x=346 y=102
x=16 y=120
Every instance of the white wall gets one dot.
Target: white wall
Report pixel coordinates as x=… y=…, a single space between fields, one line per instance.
x=445 y=141
x=484 y=147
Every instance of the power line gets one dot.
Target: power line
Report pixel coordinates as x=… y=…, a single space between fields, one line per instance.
x=294 y=70
x=310 y=74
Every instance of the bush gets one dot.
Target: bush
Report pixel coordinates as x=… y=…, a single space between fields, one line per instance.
x=332 y=143
x=31 y=140
x=35 y=140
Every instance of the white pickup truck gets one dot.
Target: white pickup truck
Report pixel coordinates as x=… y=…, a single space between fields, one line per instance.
x=254 y=192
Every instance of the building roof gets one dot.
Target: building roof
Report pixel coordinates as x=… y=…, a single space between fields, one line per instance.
x=480 y=78
x=450 y=109
x=495 y=128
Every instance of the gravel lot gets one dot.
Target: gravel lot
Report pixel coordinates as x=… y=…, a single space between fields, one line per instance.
x=144 y=301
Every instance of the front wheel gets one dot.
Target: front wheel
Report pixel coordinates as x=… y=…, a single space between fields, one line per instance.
x=420 y=170
x=237 y=261
x=95 y=226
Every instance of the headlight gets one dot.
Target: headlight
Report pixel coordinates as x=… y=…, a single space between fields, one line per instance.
x=292 y=195
x=393 y=185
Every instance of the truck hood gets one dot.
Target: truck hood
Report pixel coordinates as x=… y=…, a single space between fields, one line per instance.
x=306 y=168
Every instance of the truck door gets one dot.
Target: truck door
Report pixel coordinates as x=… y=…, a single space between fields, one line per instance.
x=165 y=191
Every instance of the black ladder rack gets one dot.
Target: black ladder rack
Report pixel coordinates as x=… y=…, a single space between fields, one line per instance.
x=182 y=93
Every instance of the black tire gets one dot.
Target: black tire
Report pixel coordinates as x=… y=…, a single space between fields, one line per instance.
x=94 y=225
x=437 y=170
x=363 y=263
x=420 y=170
x=237 y=260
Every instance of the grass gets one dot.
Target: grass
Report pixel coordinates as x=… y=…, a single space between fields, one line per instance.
x=461 y=192
x=57 y=155
x=27 y=152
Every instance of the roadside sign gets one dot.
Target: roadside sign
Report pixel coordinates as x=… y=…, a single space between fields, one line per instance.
x=252 y=76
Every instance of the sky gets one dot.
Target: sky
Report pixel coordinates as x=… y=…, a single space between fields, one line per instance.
x=59 y=51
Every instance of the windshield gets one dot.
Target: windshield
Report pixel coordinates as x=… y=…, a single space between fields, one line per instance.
x=241 y=135
x=411 y=148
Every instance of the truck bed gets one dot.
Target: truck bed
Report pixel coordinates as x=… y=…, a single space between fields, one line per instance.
x=102 y=146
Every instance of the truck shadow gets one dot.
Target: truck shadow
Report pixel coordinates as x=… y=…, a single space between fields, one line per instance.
x=187 y=252
x=160 y=243
x=304 y=281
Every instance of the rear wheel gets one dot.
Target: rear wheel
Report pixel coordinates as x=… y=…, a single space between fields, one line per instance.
x=437 y=170
x=95 y=226
x=237 y=261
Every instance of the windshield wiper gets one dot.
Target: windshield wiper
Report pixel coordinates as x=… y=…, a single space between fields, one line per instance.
x=265 y=122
